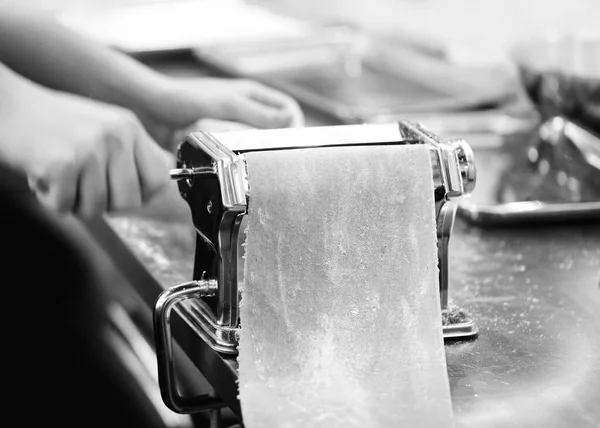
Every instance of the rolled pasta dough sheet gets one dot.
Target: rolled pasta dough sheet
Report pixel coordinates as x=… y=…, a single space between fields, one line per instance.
x=340 y=312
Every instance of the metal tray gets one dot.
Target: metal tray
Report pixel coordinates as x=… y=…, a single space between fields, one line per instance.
x=549 y=176
x=529 y=212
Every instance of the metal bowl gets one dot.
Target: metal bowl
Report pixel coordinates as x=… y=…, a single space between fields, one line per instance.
x=561 y=76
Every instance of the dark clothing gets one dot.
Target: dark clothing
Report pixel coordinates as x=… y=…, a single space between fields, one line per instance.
x=60 y=368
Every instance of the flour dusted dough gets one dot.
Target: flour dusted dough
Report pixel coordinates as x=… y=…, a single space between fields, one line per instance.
x=340 y=310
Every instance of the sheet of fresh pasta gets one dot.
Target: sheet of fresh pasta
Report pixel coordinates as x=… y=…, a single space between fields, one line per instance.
x=340 y=310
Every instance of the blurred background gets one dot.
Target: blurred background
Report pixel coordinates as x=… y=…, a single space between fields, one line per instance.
x=493 y=72
x=468 y=31
x=456 y=54
x=456 y=46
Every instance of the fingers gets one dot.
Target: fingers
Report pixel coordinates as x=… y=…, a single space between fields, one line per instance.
x=238 y=100
x=59 y=192
x=91 y=199
x=217 y=125
x=123 y=181
x=115 y=168
x=259 y=115
x=263 y=107
x=283 y=103
x=81 y=189
x=268 y=96
x=256 y=115
x=152 y=164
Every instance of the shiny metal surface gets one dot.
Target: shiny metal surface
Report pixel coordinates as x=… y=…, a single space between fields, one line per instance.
x=557 y=179
x=188 y=173
x=155 y=251
x=535 y=293
x=560 y=73
x=217 y=201
x=164 y=346
x=212 y=179
x=550 y=174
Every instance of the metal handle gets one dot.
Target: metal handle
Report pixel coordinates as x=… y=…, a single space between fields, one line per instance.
x=445 y=224
x=186 y=173
x=164 y=347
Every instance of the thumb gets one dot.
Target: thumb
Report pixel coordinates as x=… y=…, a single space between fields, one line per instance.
x=163 y=183
x=166 y=201
x=153 y=164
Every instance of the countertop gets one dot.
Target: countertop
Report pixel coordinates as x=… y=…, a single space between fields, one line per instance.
x=533 y=291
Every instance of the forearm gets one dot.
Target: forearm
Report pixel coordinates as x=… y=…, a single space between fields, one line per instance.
x=41 y=49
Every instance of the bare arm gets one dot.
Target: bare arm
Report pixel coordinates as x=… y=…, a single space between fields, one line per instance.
x=36 y=46
x=83 y=120
x=79 y=154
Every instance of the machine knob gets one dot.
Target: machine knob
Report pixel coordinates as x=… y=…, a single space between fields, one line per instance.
x=466 y=161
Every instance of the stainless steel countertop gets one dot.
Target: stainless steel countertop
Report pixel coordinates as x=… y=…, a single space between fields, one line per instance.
x=535 y=296
x=533 y=292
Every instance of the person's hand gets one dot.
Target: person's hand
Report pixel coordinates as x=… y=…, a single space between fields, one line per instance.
x=84 y=156
x=214 y=125
x=185 y=104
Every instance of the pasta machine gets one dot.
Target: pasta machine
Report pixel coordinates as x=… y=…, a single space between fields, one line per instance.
x=212 y=178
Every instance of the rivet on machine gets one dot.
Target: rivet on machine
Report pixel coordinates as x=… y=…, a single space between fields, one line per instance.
x=212 y=179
